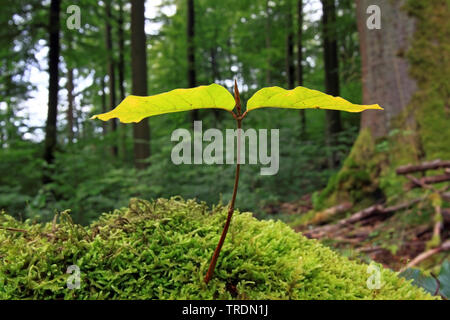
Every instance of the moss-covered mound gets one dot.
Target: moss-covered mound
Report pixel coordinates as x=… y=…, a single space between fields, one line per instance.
x=161 y=250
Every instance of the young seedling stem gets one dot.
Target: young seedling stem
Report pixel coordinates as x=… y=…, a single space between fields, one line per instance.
x=238 y=116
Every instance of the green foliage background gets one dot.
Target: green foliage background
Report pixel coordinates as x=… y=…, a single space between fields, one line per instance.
x=89 y=181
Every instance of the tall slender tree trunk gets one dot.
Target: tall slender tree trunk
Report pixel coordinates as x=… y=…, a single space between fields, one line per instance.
x=215 y=75
x=121 y=71
x=300 y=60
x=290 y=70
x=268 y=39
x=141 y=130
x=9 y=126
x=192 y=78
x=78 y=117
x=53 y=64
x=330 y=54
x=11 y=134
x=104 y=109
x=111 y=72
x=70 y=104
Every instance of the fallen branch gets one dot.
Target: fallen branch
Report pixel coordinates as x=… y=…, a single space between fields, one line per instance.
x=425 y=255
x=360 y=215
x=13 y=229
x=326 y=214
x=352 y=219
x=423 y=182
x=431 y=165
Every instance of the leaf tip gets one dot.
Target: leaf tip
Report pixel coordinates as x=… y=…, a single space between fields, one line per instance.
x=377 y=106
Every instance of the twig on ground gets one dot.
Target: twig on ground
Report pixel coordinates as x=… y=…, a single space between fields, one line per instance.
x=358 y=216
x=425 y=255
x=326 y=214
x=430 y=165
x=13 y=229
x=426 y=181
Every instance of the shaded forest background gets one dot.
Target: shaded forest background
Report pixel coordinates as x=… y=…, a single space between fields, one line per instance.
x=342 y=177
x=92 y=167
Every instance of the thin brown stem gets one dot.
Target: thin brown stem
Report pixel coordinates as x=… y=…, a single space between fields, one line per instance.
x=215 y=256
x=216 y=253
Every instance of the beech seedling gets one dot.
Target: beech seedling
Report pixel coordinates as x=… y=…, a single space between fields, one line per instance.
x=135 y=108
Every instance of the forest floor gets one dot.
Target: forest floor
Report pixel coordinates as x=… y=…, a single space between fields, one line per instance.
x=382 y=238
x=411 y=232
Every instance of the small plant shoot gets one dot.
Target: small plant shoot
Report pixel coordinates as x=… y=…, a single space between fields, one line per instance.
x=135 y=108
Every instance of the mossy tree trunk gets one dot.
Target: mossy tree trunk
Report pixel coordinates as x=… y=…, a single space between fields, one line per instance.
x=405 y=68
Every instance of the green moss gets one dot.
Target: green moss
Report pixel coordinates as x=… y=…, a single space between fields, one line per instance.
x=357 y=181
x=430 y=66
x=161 y=250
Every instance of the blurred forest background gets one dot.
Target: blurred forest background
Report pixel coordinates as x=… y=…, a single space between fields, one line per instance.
x=53 y=158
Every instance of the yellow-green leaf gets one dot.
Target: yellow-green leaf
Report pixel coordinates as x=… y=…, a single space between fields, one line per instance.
x=302 y=98
x=134 y=108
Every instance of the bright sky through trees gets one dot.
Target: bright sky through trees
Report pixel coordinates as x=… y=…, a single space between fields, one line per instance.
x=35 y=108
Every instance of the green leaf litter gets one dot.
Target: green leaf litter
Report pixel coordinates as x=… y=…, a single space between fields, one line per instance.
x=161 y=250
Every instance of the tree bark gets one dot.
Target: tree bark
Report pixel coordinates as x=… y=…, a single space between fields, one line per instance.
x=300 y=61
x=141 y=130
x=192 y=77
x=111 y=72
x=121 y=71
x=215 y=76
x=330 y=54
x=121 y=63
x=268 y=27
x=290 y=71
x=385 y=75
x=103 y=86
x=70 y=104
x=53 y=64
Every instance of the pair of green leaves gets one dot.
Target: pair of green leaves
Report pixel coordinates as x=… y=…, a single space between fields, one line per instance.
x=134 y=108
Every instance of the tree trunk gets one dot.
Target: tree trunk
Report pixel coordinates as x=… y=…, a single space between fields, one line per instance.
x=104 y=109
x=53 y=64
x=192 y=80
x=215 y=76
x=141 y=130
x=268 y=27
x=111 y=72
x=290 y=71
x=405 y=69
x=330 y=56
x=300 y=61
x=70 y=104
x=121 y=71
x=385 y=75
